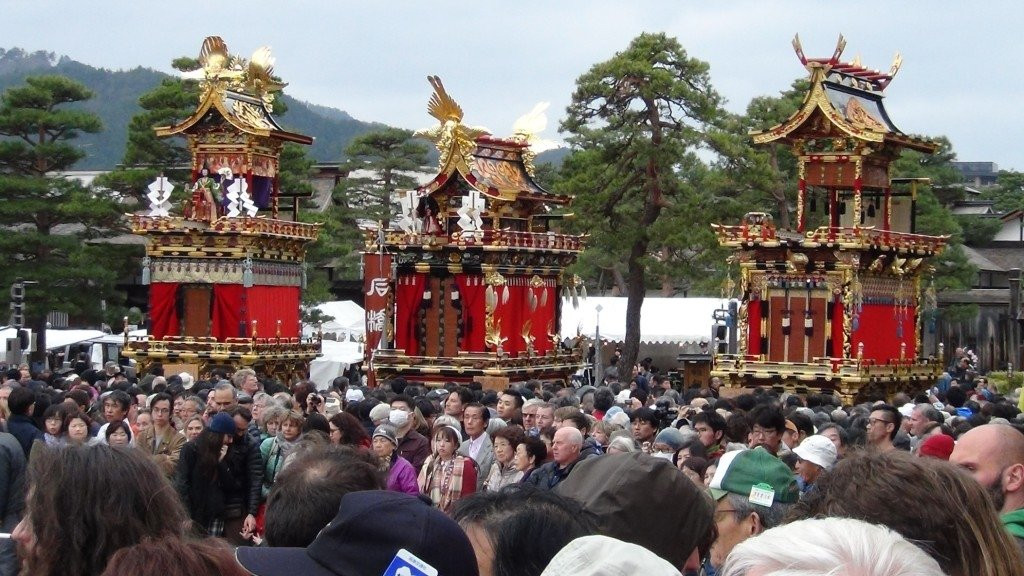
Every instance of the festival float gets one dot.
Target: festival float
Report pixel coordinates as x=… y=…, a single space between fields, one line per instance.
x=225 y=275
x=467 y=284
x=836 y=307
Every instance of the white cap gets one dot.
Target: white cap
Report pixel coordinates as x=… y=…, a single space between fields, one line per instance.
x=186 y=380
x=605 y=556
x=817 y=450
x=353 y=395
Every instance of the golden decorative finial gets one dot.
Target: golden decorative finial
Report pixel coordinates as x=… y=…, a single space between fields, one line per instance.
x=799 y=50
x=840 y=46
x=526 y=130
x=453 y=140
x=897 y=62
x=220 y=68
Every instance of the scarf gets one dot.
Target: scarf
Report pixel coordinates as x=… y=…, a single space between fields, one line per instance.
x=444 y=482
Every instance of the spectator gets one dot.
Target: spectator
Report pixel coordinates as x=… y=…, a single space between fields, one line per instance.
x=308 y=492
x=530 y=453
x=519 y=529
x=447 y=475
x=161 y=441
x=412 y=445
x=883 y=425
x=618 y=489
x=22 y=402
x=504 y=471
x=274 y=451
x=13 y=466
x=826 y=544
x=363 y=539
x=753 y=491
x=117 y=497
x=401 y=476
x=767 y=427
x=346 y=430
x=565 y=446
x=815 y=455
x=993 y=454
x=478 y=445
x=961 y=529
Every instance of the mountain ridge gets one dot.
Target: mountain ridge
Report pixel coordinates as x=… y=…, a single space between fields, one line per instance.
x=116 y=97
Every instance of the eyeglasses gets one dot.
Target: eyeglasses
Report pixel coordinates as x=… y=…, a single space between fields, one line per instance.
x=758 y=431
x=723 y=514
x=878 y=421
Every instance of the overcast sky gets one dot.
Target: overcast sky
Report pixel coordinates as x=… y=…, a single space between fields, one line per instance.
x=498 y=59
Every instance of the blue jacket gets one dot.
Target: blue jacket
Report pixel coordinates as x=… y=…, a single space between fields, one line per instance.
x=24 y=429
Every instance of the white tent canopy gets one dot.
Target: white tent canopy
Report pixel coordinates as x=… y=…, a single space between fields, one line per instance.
x=349 y=321
x=58 y=338
x=336 y=358
x=674 y=320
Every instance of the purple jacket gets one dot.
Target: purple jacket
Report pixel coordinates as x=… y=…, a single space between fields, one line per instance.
x=402 y=477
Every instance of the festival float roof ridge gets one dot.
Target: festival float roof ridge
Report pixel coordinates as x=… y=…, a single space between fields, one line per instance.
x=848 y=97
x=499 y=168
x=240 y=91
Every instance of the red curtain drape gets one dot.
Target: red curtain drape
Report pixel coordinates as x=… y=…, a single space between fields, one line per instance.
x=754 y=327
x=877 y=330
x=163 y=309
x=471 y=292
x=408 y=299
x=227 y=311
x=268 y=304
x=837 y=329
x=543 y=316
x=512 y=313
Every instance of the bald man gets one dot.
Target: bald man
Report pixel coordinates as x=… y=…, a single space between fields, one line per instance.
x=994 y=455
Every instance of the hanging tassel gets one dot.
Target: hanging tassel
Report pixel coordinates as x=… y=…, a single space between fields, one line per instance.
x=303 y=281
x=808 y=324
x=583 y=291
x=146 y=272
x=814 y=203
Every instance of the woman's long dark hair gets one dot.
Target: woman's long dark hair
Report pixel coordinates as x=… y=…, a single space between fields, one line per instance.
x=208 y=446
x=87 y=502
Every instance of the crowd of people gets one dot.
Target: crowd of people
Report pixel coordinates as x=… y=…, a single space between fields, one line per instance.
x=230 y=474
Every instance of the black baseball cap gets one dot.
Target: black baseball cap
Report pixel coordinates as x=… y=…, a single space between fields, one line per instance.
x=363 y=539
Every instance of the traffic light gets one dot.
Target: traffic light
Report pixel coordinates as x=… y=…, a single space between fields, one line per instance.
x=18 y=304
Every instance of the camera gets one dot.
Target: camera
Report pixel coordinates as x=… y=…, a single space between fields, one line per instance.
x=666 y=412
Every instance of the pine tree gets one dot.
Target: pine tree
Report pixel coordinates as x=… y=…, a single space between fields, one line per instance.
x=637 y=123
x=48 y=219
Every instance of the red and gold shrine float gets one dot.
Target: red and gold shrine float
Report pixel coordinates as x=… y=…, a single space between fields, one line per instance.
x=225 y=278
x=467 y=284
x=837 y=307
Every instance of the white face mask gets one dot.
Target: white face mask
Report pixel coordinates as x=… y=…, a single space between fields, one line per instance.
x=398 y=417
x=662 y=455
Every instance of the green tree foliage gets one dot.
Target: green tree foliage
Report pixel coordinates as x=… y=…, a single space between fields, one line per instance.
x=637 y=122
x=770 y=170
x=379 y=164
x=48 y=220
x=1008 y=193
x=146 y=156
x=978 y=230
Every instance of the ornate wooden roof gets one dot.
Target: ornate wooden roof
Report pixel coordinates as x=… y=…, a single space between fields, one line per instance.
x=237 y=91
x=844 y=99
x=499 y=168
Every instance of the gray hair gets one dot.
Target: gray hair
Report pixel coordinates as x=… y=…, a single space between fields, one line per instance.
x=829 y=546
x=771 y=516
x=622 y=444
x=238 y=378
